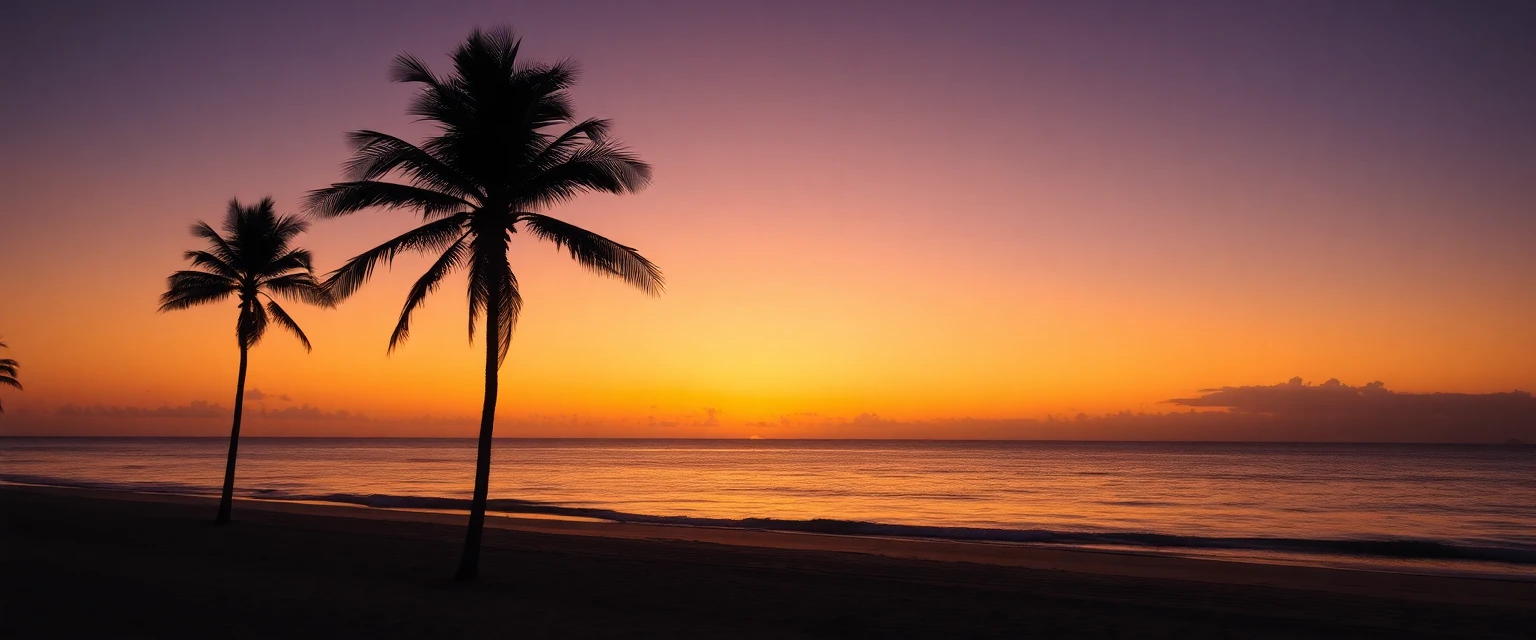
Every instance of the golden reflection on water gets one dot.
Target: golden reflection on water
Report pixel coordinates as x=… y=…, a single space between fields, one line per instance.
x=1301 y=491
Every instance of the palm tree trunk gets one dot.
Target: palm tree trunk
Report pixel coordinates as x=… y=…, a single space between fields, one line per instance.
x=226 y=501
x=469 y=563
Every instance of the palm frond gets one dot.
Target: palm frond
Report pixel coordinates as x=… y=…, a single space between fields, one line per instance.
x=511 y=310
x=409 y=68
x=451 y=259
x=191 y=288
x=283 y=230
x=211 y=263
x=8 y=375
x=252 y=324
x=295 y=260
x=258 y=237
x=287 y=322
x=562 y=147
x=485 y=61
x=300 y=286
x=343 y=198
x=597 y=253
x=599 y=166
x=445 y=104
x=433 y=236
x=237 y=216
x=542 y=88
x=8 y=372
x=490 y=276
x=375 y=155
x=219 y=247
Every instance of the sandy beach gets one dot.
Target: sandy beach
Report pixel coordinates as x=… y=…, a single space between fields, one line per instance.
x=80 y=562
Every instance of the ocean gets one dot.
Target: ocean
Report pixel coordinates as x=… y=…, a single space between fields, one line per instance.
x=1446 y=509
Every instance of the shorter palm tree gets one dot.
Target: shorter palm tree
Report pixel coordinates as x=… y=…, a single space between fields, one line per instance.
x=8 y=373
x=253 y=259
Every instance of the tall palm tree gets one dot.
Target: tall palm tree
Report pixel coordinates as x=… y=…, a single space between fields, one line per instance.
x=8 y=373
x=507 y=145
x=253 y=259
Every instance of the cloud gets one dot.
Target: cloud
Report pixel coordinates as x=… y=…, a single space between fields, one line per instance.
x=870 y=420
x=205 y=409
x=710 y=418
x=1334 y=400
x=1292 y=411
x=257 y=395
x=194 y=409
x=203 y=418
x=306 y=412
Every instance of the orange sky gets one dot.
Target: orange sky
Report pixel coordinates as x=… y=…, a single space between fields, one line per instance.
x=864 y=224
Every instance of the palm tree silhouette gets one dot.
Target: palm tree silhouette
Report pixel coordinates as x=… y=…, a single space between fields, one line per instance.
x=507 y=144
x=8 y=373
x=252 y=259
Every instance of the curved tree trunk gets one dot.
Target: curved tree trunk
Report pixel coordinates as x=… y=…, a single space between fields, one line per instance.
x=226 y=501
x=469 y=563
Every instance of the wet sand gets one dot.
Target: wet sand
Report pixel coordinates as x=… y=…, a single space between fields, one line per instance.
x=83 y=562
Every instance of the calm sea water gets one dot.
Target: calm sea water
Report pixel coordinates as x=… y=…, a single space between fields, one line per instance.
x=1425 y=508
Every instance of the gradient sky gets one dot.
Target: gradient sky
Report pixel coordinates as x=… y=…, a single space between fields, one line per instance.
x=921 y=211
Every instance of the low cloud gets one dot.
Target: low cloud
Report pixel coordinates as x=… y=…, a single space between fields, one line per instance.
x=257 y=395
x=1372 y=406
x=1292 y=411
x=206 y=410
x=709 y=418
x=306 y=412
x=194 y=409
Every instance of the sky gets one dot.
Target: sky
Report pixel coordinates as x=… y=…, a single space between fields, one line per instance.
x=883 y=219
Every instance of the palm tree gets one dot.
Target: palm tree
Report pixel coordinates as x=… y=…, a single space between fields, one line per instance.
x=253 y=259
x=8 y=369
x=507 y=145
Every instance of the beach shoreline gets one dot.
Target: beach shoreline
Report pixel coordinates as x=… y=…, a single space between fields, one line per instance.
x=727 y=581
x=790 y=534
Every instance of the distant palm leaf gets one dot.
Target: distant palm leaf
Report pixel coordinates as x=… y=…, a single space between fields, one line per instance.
x=8 y=371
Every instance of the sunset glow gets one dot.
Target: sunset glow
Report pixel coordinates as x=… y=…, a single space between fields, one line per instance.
x=724 y=319
x=892 y=215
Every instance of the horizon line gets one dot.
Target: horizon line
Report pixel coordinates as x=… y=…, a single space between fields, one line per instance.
x=1507 y=443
